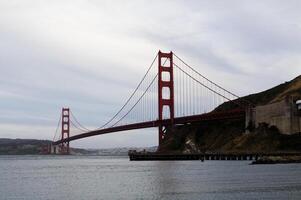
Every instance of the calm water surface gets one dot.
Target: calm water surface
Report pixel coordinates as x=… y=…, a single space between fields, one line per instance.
x=75 y=177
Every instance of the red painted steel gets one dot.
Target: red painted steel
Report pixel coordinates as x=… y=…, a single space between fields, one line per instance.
x=233 y=114
x=165 y=84
x=65 y=134
x=161 y=123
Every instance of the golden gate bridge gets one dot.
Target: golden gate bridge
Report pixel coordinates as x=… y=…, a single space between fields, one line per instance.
x=170 y=93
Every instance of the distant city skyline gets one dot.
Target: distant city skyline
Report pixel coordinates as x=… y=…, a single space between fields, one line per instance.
x=90 y=55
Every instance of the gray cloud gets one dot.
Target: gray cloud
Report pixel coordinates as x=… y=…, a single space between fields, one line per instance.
x=90 y=55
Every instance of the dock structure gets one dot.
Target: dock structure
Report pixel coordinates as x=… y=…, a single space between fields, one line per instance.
x=148 y=156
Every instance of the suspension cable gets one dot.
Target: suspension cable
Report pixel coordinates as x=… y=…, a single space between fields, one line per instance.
x=205 y=85
x=133 y=95
x=57 y=128
x=220 y=87
x=80 y=125
x=130 y=96
x=77 y=126
x=137 y=101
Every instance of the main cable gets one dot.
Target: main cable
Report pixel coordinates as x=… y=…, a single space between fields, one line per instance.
x=57 y=128
x=136 y=102
x=71 y=122
x=205 y=85
x=130 y=96
x=220 y=87
x=205 y=77
x=80 y=125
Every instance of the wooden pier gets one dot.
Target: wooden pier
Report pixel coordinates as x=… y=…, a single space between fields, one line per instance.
x=148 y=156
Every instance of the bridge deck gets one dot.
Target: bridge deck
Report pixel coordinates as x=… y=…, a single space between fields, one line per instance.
x=233 y=114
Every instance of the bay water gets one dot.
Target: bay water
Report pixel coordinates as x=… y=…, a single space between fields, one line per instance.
x=104 y=177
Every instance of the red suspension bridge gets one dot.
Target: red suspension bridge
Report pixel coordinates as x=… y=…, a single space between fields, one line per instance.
x=170 y=93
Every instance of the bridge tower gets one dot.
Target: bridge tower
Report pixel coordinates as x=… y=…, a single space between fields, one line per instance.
x=165 y=70
x=64 y=146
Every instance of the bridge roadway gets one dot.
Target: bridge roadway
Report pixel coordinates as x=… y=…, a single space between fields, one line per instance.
x=222 y=115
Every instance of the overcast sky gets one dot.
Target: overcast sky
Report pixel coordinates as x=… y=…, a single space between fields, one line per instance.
x=89 y=55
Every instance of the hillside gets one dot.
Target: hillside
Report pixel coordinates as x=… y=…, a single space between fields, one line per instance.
x=277 y=93
x=32 y=147
x=229 y=136
x=21 y=146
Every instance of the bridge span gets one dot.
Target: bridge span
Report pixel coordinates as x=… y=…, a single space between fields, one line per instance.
x=170 y=94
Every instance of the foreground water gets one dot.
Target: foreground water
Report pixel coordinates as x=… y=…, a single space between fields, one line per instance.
x=75 y=177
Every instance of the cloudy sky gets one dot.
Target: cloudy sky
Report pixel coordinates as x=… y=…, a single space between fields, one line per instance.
x=89 y=55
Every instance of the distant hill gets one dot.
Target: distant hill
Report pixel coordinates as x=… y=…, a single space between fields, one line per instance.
x=32 y=146
x=122 y=151
x=21 y=146
x=228 y=136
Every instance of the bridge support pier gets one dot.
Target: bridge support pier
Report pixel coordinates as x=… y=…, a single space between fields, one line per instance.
x=165 y=67
x=53 y=149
